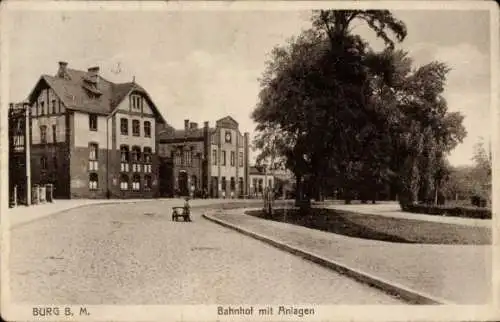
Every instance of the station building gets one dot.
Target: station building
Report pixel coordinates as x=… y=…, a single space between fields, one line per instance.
x=211 y=161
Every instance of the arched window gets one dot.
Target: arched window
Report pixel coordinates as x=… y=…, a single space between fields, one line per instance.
x=124 y=182
x=223 y=183
x=124 y=158
x=240 y=185
x=136 y=182
x=93 y=181
x=147 y=159
x=148 y=182
x=232 y=184
x=136 y=159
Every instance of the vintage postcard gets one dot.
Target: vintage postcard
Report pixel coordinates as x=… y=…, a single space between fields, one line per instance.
x=249 y=161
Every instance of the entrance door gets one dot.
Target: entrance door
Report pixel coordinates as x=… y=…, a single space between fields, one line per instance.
x=165 y=179
x=183 y=183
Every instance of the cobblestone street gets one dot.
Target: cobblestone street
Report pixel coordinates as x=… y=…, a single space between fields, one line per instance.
x=134 y=254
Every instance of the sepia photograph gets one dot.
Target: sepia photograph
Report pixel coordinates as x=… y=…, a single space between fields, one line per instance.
x=248 y=161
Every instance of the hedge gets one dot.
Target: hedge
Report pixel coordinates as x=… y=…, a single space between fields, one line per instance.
x=465 y=212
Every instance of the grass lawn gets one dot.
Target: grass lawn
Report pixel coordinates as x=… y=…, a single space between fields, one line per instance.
x=382 y=228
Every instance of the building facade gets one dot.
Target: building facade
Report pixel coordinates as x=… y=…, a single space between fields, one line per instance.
x=210 y=161
x=259 y=180
x=92 y=138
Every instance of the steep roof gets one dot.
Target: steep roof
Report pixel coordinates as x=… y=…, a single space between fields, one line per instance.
x=74 y=92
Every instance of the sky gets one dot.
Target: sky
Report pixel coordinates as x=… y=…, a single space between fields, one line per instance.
x=204 y=65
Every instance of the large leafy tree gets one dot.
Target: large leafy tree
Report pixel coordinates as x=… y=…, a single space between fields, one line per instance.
x=314 y=95
x=335 y=112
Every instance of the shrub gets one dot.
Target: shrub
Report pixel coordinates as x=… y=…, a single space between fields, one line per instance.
x=465 y=212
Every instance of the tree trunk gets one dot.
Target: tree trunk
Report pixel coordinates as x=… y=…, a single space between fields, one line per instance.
x=436 y=194
x=298 y=190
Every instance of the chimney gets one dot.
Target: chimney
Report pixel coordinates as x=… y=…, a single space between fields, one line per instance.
x=94 y=70
x=62 y=69
x=193 y=125
x=186 y=124
x=94 y=73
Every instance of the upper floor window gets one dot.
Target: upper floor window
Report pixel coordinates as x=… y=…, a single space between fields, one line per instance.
x=136 y=127
x=136 y=102
x=241 y=159
x=177 y=157
x=188 y=157
x=223 y=157
x=42 y=108
x=43 y=134
x=53 y=106
x=43 y=163
x=228 y=137
x=54 y=133
x=60 y=109
x=93 y=122
x=214 y=157
x=147 y=129
x=232 y=158
x=124 y=126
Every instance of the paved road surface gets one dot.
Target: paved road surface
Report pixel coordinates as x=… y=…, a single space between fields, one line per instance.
x=116 y=254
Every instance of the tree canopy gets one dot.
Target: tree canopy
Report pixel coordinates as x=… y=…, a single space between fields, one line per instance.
x=341 y=115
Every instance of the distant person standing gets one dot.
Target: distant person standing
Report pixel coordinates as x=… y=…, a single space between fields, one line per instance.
x=223 y=194
x=191 y=193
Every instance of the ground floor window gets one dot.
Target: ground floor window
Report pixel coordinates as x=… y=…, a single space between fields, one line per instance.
x=124 y=182
x=93 y=181
x=136 y=183
x=148 y=183
x=241 y=185
x=232 y=184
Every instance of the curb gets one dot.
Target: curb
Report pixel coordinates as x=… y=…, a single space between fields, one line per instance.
x=395 y=289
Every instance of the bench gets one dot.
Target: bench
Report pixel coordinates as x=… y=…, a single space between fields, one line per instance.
x=180 y=212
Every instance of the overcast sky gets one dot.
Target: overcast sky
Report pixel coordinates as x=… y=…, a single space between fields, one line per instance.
x=204 y=65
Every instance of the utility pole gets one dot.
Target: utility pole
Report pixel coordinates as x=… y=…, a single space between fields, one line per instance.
x=27 y=149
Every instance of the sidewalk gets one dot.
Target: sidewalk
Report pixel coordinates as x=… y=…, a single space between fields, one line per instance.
x=394 y=210
x=441 y=273
x=22 y=214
